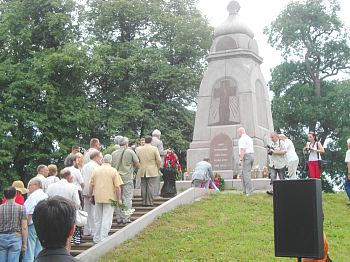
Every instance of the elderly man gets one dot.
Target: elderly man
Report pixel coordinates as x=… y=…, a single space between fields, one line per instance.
x=36 y=195
x=347 y=179
x=202 y=174
x=292 y=157
x=65 y=188
x=54 y=222
x=42 y=173
x=124 y=160
x=246 y=160
x=94 y=145
x=149 y=170
x=159 y=145
x=13 y=227
x=105 y=186
x=278 y=160
x=95 y=161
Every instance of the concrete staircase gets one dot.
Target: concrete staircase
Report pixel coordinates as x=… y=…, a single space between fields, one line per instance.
x=139 y=211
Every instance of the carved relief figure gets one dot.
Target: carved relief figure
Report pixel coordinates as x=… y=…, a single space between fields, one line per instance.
x=224 y=108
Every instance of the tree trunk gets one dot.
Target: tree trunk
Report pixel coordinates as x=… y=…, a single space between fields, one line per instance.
x=317 y=87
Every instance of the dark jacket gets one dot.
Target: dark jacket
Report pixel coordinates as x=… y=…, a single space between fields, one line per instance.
x=55 y=255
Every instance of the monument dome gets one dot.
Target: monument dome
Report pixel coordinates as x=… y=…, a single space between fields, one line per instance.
x=233 y=25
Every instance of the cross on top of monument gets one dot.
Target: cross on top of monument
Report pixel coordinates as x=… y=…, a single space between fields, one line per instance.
x=233 y=7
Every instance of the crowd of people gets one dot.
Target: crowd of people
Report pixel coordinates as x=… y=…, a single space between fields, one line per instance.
x=101 y=185
x=283 y=161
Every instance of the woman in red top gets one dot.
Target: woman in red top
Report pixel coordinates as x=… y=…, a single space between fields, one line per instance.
x=21 y=190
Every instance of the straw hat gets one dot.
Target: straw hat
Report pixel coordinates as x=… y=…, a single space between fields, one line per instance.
x=20 y=187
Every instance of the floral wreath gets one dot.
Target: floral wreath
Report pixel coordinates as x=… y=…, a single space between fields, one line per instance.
x=171 y=161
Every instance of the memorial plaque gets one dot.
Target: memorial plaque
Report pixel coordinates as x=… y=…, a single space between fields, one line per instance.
x=221 y=152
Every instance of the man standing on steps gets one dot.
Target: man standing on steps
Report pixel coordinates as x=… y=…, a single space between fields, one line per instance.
x=94 y=145
x=159 y=145
x=149 y=170
x=105 y=186
x=95 y=159
x=246 y=160
x=124 y=160
x=54 y=220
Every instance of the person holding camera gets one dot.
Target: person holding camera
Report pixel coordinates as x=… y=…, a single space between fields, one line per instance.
x=314 y=149
x=278 y=161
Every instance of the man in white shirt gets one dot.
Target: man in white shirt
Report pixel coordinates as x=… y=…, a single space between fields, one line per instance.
x=42 y=173
x=292 y=157
x=65 y=188
x=95 y=160
x=347 y=179
x=94 y=145
x=246 y=159
x=36 y=195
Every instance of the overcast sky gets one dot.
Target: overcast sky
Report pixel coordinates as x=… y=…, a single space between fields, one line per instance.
x=257 y=14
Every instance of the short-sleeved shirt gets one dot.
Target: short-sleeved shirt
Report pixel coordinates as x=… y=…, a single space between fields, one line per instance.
x=105 y=179
x=64 y=189
x=86 y=172
x=245 y=142
x=31 y=202
x=125 y=166
x=52 y=179
x=202 y=171
x=11 y=216
x=77 y=177
x=278 y=161
x=291 y=154
x=44 y=182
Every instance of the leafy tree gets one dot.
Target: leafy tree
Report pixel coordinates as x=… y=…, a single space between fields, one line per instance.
x=147 y=66
x=314 y=44
x=120 y=67
x=42 y=71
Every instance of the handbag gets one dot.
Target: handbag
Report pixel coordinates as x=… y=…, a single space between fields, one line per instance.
x=80 y=218
x=321 y=163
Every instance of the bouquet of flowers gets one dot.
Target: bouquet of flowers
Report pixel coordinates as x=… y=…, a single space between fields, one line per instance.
x=171 y=163
x=219 y=182
x=125 y=210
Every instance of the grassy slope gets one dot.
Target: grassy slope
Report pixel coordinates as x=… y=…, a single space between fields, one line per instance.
x=228 y=227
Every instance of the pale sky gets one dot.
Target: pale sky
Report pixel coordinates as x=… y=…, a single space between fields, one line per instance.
x=257 y=14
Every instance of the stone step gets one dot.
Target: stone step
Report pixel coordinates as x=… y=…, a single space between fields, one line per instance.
x=84 y=245
x=87 y=241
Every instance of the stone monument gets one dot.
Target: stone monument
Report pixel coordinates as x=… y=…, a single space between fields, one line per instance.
x=233 y=93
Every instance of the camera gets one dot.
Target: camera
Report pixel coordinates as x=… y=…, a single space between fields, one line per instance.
x=270 y=149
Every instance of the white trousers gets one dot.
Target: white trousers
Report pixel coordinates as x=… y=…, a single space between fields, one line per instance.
x=103 y=218
x=89 y=228
x=292 y=169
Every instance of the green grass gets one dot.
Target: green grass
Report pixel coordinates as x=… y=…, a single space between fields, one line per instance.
x=228 y=227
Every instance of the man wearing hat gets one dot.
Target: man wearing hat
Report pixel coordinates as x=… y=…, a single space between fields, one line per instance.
x=20 y=191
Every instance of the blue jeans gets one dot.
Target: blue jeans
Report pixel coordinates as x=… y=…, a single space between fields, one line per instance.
x=33 y=245
x=347 y=187
x=10 y=247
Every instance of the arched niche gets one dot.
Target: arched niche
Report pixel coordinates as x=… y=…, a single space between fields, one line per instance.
x=226 y=43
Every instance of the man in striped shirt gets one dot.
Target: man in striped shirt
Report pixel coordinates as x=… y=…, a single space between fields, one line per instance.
x=13 y=227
